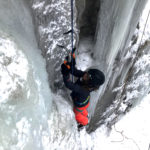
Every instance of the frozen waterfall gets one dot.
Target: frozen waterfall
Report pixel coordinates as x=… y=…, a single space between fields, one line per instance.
x=32 y=117
x=25 y=99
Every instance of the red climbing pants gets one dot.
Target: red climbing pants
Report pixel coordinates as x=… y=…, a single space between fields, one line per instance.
x=81 y=114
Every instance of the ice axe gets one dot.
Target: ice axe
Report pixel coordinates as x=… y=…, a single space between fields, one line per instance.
x=68 y=57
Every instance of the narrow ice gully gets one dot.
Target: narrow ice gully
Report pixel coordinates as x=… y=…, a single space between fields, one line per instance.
x=25 y=98
x=28 y=117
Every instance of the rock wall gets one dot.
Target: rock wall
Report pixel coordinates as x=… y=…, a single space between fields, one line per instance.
x=52 y=19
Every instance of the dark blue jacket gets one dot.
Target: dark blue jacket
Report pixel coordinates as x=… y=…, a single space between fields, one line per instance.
x=80 y=95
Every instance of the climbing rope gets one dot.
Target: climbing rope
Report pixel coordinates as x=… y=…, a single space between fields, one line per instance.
x=72 y=36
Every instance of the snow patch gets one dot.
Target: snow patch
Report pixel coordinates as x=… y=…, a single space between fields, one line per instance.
x=38 y=5
x=13 y=69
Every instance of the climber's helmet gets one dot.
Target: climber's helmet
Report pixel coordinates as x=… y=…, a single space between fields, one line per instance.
x=96 y=78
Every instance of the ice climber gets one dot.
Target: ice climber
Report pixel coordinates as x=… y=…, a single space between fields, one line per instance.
x=87 y=82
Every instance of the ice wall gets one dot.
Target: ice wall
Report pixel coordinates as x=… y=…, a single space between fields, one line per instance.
x=116 y=25
x=25 y=99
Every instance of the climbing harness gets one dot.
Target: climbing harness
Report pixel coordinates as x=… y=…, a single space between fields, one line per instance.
x=84 y=101
x=76 y=108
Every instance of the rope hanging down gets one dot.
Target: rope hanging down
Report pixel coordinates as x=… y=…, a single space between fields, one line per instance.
x=72 y=35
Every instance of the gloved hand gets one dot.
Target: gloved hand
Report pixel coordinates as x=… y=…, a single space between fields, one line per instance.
x=64 y=69
x=70 y=65
x=71 y=55
x=69 y=62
